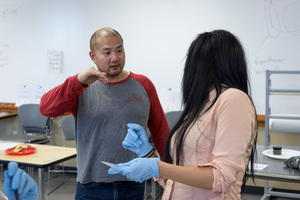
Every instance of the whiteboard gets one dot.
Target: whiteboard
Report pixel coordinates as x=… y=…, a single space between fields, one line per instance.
x=156 y=33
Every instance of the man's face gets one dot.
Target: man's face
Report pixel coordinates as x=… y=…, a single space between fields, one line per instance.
x=109 y=56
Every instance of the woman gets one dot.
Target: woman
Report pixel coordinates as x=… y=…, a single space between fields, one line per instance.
x=209 y=148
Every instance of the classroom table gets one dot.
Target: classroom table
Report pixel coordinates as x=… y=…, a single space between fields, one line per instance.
x=44 y=157
x=276 y=170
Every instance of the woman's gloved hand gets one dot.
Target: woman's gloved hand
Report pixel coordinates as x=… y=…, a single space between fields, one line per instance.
x=136 y=140
x=138 y=169
x=18 y=179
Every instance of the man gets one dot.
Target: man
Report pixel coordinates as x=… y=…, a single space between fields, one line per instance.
x=104 y=101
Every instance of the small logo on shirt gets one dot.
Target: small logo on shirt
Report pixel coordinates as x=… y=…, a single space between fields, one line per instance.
x=134 y=99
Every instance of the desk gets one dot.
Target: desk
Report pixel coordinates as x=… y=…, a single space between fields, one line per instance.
x=276 y=170
x=8 y=107
x=44 y=157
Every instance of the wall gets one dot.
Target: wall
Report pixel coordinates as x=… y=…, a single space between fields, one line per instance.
x=157 y=34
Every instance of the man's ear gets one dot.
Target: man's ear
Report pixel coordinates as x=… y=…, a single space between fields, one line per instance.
x=92 y=55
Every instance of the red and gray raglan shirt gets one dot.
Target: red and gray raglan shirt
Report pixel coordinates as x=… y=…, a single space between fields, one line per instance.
x=102 y=112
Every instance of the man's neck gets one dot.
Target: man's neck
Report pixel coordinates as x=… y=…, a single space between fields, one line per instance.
x=123 y=75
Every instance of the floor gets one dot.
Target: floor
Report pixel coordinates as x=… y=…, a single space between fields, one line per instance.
x=67 y=190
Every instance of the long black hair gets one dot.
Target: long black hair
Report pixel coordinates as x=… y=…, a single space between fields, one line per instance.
x=214 y=60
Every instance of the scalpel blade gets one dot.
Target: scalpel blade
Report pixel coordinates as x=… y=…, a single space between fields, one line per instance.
x=108 y=164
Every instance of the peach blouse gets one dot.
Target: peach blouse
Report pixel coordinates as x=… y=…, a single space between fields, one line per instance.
x=222 y=138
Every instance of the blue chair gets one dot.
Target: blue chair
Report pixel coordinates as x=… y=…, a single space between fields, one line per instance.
x=33 y=123
x=172 y=117
x=67 y=127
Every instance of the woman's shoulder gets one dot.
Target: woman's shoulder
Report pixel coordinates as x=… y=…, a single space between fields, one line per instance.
x=233 y=92
x=234 y=96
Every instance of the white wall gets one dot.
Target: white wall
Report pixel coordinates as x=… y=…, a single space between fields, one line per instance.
x=157 y=34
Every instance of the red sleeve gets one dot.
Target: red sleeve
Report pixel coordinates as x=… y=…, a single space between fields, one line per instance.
x=62 y=99
x=157 y=124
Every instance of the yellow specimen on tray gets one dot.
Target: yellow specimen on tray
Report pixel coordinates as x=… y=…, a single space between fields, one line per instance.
x=19 y=147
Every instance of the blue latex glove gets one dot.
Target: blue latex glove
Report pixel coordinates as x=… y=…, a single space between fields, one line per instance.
x=138 y=169
x=17 y=179
x=136 y=140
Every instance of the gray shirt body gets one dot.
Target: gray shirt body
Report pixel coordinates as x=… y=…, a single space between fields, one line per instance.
x=101 y=125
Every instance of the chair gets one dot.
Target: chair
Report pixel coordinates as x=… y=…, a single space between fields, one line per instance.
x=172 y=117
x=67 y=126
x=33 y=123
